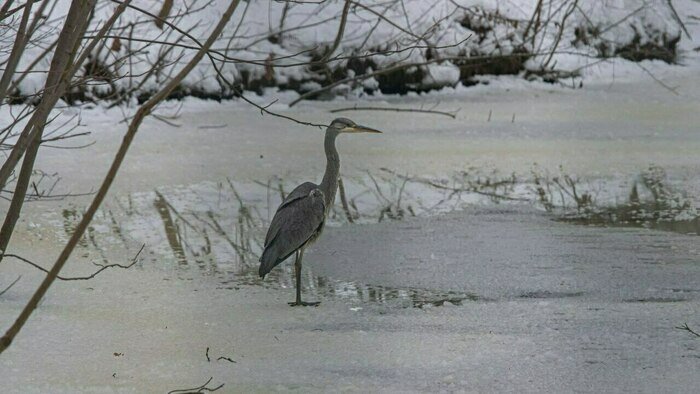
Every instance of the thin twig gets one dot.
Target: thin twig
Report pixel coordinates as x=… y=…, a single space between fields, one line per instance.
x=657 y=80
x=344 y=200
x=454 y=189
x=685 y=327
x=198 y=389
x=341 y=30
x=65 y=137
x=678 y=19
x=452 y=115
x=94 y=274
x=10 y=286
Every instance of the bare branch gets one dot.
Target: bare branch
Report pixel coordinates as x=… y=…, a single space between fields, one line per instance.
x=657 y=80
x=30 y=138
x=389 y=21
x=145 y=110
x=10 y=286
x=452 y=115
x=562 y=25
x=341 y=30
x=685 y=327
x=678 y=18
x=5 y=8
x=198 y=389
x=69 y=278
x=344 y=200
x=455 y=189
x=20 y=42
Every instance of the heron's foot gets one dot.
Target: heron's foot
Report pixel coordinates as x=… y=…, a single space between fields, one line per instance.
x=302 y=303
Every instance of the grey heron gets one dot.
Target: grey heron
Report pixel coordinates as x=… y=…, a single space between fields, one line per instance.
x=300 y=218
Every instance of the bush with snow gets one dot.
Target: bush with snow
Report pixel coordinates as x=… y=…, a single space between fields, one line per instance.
x=394 y=47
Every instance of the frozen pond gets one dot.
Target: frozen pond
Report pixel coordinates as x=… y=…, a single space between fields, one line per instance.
x=481 y=300
x=483 y=290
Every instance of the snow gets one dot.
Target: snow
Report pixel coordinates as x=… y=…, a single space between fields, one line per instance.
x=438 y=23
x=441 y=75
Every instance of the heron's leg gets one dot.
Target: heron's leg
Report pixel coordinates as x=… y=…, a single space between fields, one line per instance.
x=297 y=271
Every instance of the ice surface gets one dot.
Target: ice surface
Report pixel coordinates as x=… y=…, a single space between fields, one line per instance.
x=489 y=299
x=555 y=307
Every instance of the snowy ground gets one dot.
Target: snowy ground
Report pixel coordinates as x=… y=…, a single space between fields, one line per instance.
x=298 y=32
x=491 y=298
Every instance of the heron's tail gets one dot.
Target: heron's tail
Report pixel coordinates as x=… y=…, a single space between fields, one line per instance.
x=268 y=261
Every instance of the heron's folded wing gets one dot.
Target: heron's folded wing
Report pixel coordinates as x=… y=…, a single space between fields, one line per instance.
x=293 y=225
x=300 y=191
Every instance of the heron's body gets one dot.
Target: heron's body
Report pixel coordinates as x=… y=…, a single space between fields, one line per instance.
x=297 y=223
x=300 y=218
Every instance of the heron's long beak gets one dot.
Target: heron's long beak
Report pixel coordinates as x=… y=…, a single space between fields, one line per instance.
x=359 y=129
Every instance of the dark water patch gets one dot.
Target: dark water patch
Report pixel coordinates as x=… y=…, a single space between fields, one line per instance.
x=652 y=204
x=655 y=300
x=441 y=302
x=319 y=287
x=635 y=217
x=404 y=296
x=546 y=294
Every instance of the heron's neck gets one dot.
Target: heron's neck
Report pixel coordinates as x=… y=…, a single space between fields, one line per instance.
x=329 y=184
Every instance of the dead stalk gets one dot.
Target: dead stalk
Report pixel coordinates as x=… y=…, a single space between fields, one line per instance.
x=198 y=389
x=344 y=200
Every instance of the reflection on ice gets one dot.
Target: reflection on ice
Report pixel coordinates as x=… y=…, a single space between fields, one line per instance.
x=319 y=287
x=215 y=229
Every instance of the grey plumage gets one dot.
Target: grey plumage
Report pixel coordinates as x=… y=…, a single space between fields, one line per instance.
x=297 y=221
x=300 y=218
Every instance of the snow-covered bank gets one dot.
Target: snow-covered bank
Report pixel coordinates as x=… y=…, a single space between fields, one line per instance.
x=428 y=44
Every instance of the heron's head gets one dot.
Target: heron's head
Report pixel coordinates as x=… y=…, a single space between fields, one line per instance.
x=345 y=125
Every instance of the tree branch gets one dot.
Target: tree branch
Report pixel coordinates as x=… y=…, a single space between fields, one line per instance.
x=452 y=115
x=341 y=30
x=21 y=40
x=10 y=286
x=68 y=278
x=198 y=389
x=344 y=200
x=685 y=327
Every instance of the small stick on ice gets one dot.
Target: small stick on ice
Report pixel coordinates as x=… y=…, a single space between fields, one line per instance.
x=197 y=389
x=64 y=278
x=685 y=327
